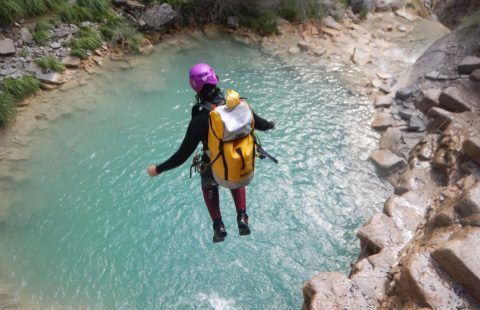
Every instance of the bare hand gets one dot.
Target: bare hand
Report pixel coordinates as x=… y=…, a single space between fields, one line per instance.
x=152 y=170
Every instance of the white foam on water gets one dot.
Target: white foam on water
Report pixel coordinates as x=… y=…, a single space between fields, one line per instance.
x=217 y=302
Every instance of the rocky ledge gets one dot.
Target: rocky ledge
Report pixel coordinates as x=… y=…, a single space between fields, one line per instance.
x=423 y=250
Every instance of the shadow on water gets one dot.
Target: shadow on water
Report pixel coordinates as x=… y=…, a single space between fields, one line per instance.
x=88 y=227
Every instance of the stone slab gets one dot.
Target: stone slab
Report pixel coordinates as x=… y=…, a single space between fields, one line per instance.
x=459 y=99
x=386 y=161
x=7 y=47
x=382 y=121
x=378 y=233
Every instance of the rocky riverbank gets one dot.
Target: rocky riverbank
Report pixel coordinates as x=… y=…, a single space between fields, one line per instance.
x=422 y=250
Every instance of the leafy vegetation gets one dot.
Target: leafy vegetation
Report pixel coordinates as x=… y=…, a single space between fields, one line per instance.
x=7 y=107
x=117 y=30
x=40 y=33
x=80 y=53
x=20 y=88
x=11 y=10
x=84 y=10
x=265 y=23
x=289 y=10
x=87 y=39
x=50 y=63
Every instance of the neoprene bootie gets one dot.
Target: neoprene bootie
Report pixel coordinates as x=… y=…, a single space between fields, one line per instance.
x=219 y=232
x=242 y=221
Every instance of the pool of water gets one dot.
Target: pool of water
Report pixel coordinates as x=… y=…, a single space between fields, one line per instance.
x=89 y=228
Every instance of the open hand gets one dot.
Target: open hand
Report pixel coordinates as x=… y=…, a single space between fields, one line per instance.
x=152 y=170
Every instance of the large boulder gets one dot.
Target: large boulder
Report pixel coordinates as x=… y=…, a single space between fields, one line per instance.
x=7 y=47
x=378 y=233
x=332 y=290
x=429 y=285
x=386 y=161
x=459 y=256
x=362 y=5
x=159 y=17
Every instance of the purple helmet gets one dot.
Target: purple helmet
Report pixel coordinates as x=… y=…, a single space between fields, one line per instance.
x=200 y=75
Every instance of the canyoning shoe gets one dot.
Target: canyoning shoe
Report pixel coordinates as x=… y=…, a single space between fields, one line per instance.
x=242 y=221
x=219 y=232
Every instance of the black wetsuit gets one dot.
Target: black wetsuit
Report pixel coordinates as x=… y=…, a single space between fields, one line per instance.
x=198 y=128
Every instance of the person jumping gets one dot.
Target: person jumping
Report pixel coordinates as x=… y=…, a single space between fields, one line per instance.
x=209 y=96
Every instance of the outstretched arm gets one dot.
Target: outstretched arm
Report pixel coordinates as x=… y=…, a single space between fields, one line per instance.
x=262 y=124
x=188 y=146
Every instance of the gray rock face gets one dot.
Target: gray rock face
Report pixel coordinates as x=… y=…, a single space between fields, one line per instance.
x=378 y=233
x=386 y=161
x=459 y=256
x=159 y=16
x=388 y=5
x=458 y=99
x=360 y=5
x=7 y=47
x=469 y=64
x=471 y=147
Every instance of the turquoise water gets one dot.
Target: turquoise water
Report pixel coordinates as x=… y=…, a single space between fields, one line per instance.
x=89 y=228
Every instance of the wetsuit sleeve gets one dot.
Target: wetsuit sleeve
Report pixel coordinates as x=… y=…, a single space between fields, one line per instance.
x=188 y=146
x=262 y=124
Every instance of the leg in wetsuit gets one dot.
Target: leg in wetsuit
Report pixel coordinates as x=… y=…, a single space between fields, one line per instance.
x=211 y=197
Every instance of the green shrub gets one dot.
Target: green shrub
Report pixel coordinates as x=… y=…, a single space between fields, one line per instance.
x=363 y=13
x=118 y=31
x=83 y=10
x=40 y=33
x=265 y=23
x=34 y=7
x=21 y=88
x=87 y=39
x=50 y=64
x=98 y=8
x=7 y=107
x=289 y=10
x=80 y=53
x=9 y=11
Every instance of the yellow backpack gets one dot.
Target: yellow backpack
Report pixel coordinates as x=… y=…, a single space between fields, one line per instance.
x=231 y=144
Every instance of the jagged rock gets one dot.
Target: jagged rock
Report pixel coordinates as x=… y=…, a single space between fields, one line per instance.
x=26 y=35
x=471 y=147
x=387 y=5
x=331 y=23
x=431 y=287
x=361 y=5
x=386 y=161
x=383 y=101
x=233 y=22
x=371 y=274
x=159 y=16
x=378 y=233
x=440 y=118
x=469 y=203
x=390 y=139
x=429 y=99
x=7 y=47
x=404 y=14
x=332 y=290
x=469 y=64
x=416 y=124
x=459 y=256
x=304 y=45
x=50 y=78
x=406 y=92
x=458 y=99
x=382 y=121
x=71 y=62
x=475 y=76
